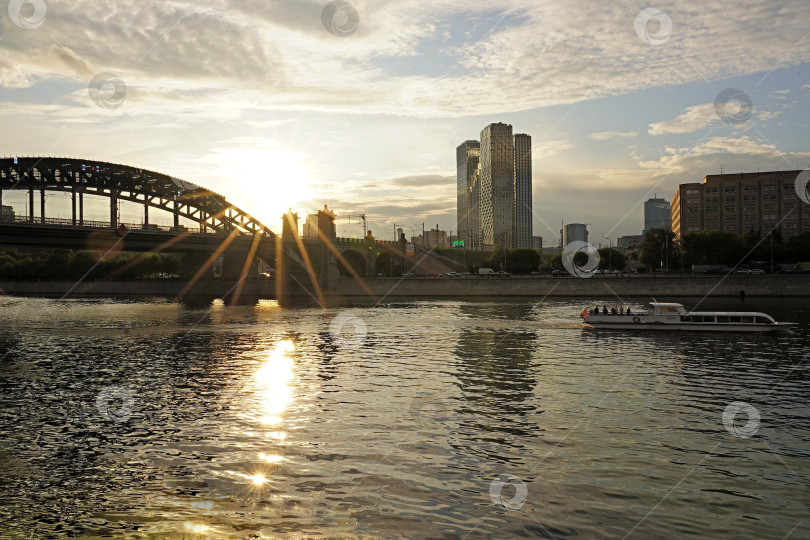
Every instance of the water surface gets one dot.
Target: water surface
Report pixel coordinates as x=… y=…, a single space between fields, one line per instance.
x=424 y=419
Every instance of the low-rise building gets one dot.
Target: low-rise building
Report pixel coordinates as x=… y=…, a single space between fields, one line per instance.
x=741 y=202
x=432 y=238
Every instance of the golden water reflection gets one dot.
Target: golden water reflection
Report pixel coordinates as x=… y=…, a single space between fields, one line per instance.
x=273 y=383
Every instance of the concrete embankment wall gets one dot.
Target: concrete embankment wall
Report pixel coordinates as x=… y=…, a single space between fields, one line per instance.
x=595 y=287
x=387 y=289
x=202 y=290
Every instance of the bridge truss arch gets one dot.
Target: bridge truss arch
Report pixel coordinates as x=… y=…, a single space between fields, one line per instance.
x=120 y=182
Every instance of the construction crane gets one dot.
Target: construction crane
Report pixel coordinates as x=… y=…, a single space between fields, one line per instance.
x=357 y=216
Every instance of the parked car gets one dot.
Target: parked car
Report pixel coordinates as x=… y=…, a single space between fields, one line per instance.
x=502 y=274
x=559 y=273
x=743 y=271
x=407 y=274
x=757 y=272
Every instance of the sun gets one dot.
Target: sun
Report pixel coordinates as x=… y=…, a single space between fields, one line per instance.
x=266 y=182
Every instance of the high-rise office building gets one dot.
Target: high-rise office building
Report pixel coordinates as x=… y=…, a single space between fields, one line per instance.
x=467 y=155
x=574 y=232
x=522 y=206
x=474 y=204
x=497 y=184
x=657 y=214
x=496 y=208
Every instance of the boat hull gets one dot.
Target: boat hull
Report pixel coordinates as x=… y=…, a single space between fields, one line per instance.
x=686 y=327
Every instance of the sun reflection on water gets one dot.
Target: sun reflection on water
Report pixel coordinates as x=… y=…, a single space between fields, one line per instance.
x=273 y=383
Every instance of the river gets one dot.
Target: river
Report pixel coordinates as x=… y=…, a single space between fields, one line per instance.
x=439 y=419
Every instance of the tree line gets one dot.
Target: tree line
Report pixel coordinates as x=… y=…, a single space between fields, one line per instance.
x=660 y=248
x=63 y=264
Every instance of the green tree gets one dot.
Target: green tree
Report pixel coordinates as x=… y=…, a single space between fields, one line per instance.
x=659 y=248
x=522 y=260
x=496 y=260
x=611 y=259
x=712 y=247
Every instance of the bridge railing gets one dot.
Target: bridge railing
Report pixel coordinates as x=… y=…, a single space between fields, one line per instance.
x=91 y=224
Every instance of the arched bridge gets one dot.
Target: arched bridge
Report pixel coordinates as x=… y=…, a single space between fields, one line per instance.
x=182 y=199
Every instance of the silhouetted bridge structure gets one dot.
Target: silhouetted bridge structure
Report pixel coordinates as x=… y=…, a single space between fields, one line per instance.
x=309 y=268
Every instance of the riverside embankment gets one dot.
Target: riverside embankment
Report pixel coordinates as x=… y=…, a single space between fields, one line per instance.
x=200 y=291
x=377 y=289
x=595 y=287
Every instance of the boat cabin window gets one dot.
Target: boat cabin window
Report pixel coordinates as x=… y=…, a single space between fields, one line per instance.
x=697 y=318
x=722 y=318
x=749 y=319
x=735 y=319
x=763 y=320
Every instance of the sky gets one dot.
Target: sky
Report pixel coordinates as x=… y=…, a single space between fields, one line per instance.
x=361 y=105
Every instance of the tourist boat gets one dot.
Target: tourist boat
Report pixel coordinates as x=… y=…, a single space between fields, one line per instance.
x=672 y=316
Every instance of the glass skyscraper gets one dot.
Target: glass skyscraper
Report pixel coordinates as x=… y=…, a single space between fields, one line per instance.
x=522 y=207
x=502 y=187
x=469 y=221
x=497 y=184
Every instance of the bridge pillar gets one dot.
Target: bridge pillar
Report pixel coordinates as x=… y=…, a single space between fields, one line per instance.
x=114 y=209
x=73 y=205
x=191 y=262
x=146 y=211
x=81 y=207
x=176 y=214
x=31 y=204
x=234 y=262
x=42 y=206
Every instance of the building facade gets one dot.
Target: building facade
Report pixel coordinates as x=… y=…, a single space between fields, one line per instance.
x=496 y=208
x=657 y=214
x=741 y=202
x=574 y=232
x=432 y=238
x=629 y=243
x=522 y=205
x=467 y=214
x=475 y=230
x=497 y=184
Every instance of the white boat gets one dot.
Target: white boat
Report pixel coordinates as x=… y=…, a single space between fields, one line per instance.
x=672 y=316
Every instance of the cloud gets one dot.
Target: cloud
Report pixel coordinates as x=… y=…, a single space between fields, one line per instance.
x=607 y=135
x=754 y=152
x=406 y=58
x=425 y=180
x=550 y=148
x=779 y=94
x=695 y=118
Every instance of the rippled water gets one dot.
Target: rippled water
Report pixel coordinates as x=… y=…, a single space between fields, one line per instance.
x=425 y=419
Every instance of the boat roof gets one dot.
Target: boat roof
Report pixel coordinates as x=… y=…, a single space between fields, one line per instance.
x=665 y=304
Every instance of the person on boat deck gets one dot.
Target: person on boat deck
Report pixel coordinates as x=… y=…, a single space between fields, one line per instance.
x=628 y=310
x=613 y=311
x=604 y=310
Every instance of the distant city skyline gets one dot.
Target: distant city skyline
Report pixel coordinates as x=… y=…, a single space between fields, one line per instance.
x=263 y=104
